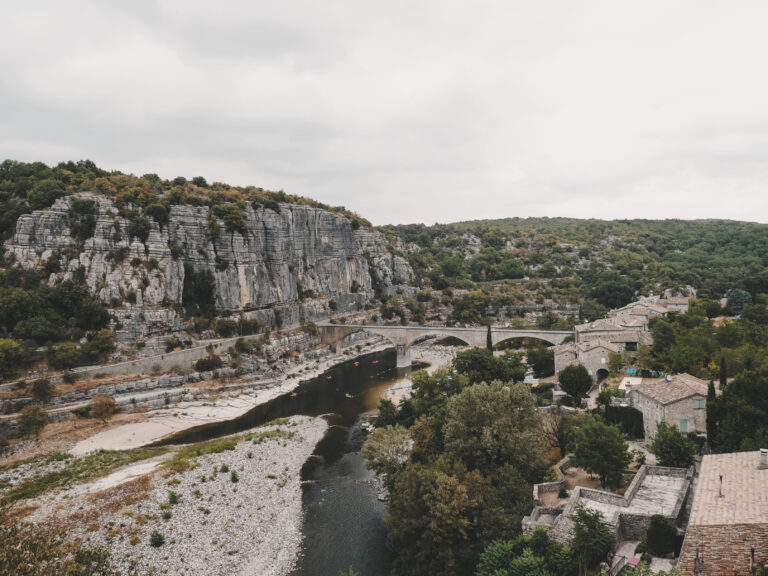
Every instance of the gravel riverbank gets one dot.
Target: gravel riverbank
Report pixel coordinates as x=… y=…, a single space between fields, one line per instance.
x=235 y=511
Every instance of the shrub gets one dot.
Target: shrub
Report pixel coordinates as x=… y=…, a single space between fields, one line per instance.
x=224 y=468
x=32 y=420
x=233 y=476
x=173 y=498
x=158 y=213
x=156 y=539
x=102 y=407
x=208 y=363
x=117 y=255
x=176 y=251
x=562 y=492
x=139 y=227
x=166 y=515
x=42 y=390
x=233 y=216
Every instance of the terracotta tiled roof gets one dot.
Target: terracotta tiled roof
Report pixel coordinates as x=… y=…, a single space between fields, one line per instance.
x=676 y=388
x=744 y=497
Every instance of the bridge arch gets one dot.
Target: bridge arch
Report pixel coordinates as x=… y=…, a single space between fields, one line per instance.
x=404 y=336
x=544 y=340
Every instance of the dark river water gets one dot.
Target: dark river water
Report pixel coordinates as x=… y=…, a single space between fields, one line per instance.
x=343 y=518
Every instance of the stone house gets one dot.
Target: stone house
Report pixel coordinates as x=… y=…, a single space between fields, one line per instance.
x=608 y=328
x=680 y=400
x=728 y=526
x=592 y=354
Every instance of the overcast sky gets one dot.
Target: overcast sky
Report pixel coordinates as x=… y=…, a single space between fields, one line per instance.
x=406 y=111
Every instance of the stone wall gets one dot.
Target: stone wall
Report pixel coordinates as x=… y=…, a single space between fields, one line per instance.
x=724 y=549
x=545 y=487
x=161 y=363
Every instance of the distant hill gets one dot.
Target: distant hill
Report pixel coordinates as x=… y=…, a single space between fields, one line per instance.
x=600 y=259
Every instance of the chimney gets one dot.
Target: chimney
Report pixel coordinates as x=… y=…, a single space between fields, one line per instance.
x=763 y=459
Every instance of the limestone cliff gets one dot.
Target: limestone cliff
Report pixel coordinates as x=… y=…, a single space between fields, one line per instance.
x=302 y=260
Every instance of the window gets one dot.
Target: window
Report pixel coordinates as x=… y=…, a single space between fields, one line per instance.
x=684 y=426
x=699 y=403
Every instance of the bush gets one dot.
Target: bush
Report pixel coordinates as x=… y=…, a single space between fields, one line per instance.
x=661 y=536
x=233 y=476
x=102 y=407
x=139 y=227
x=208 y=363
x=156 y=539
x=173 y=498
x=42 y=390
x=166 y=515
x=224 y=468
x=32 y=420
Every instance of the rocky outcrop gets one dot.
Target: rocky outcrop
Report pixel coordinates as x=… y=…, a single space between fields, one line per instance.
x=298 y=263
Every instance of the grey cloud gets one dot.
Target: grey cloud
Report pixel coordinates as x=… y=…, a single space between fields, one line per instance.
x=402 y=111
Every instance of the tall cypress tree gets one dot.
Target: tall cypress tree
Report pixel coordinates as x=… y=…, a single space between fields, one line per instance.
x=723 y=374
x=711 y=414
x=488 y=339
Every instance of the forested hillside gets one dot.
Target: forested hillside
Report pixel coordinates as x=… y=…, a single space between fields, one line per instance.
x=600 y=263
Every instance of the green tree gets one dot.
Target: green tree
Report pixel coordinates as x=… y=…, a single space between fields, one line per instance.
x=387 y=414
x=592 y=539
x=737 y=298
x=575 y=380
x=712 y=416
x=542 y=360
x=489 y=340
x=32 y=419
x=723 y=373
x=387 y=450
x=480 y=365
x=44 y=193
x=671 y=447
x=490 y=425
x=9 y=356
x=601 y=449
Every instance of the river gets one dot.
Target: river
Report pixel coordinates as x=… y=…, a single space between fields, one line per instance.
x=343 y=518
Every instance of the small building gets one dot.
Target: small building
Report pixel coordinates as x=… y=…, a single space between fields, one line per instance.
x=728 y=526
x=680 y=400
x=653 y=490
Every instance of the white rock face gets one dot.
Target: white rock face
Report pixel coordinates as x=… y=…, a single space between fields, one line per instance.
x=300 y=248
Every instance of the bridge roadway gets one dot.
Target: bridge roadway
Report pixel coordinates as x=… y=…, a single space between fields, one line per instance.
x=403 y=336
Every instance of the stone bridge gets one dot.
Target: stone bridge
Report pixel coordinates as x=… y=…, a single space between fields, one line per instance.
x=403 y=336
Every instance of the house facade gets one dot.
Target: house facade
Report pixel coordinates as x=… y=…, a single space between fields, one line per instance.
x=680 y=400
